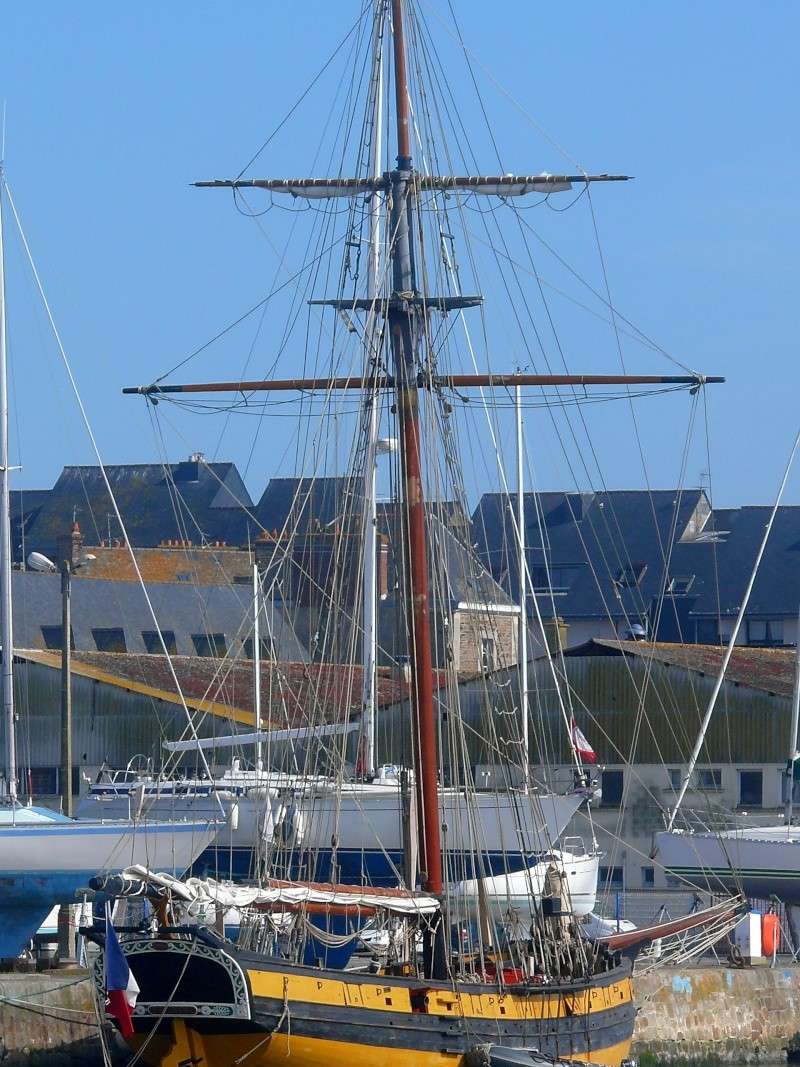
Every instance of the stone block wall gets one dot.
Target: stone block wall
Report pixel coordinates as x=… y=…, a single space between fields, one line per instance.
x=713 y=1015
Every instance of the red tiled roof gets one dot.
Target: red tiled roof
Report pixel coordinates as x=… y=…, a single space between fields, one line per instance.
x=769 y=669
x=291 y=692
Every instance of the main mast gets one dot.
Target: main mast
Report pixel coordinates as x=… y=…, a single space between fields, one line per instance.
x=404 y=338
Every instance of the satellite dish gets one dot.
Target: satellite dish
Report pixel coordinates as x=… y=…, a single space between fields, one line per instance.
x=39 y=562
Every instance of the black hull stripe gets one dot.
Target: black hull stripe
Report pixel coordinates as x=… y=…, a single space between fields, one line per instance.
x=425 y=1033
x=251 y=962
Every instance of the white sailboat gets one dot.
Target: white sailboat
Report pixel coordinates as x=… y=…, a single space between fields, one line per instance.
x=301 y=814
x=45 y=857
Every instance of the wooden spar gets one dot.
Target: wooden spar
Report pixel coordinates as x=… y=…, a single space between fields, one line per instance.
x=423 y=182
x=457 y=381
x=403 y=333
x=359 y=911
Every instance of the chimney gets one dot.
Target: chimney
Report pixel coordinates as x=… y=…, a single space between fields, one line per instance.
x=555 y=633
x=69 y=547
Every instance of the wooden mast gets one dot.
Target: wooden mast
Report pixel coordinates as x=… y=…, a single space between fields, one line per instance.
x=404 y=336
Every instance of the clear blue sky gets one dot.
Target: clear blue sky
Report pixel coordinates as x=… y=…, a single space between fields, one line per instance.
x=114 y=109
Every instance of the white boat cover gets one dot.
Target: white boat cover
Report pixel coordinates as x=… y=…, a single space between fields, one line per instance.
x=207 y=891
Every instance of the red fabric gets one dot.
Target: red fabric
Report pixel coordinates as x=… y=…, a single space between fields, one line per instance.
x=119 y=1007
x=584 y=750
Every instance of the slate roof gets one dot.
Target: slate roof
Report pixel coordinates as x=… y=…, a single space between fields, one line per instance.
x=300 y=504
x=195 y=500
x=182 y=609
x=457 y=575
x=777 y=587
x=25 y=505
x=589 y=541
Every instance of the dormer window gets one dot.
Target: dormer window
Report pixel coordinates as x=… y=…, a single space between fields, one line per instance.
x=680 y=584
x=630 y=577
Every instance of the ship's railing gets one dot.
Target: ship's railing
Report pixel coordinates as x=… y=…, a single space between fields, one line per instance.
x=718 y=819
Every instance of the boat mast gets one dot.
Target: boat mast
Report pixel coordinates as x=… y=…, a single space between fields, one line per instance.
x=6 y=624
x=257 y=666
x=522 y=642
x=404 y=338
x=372 y=335
x=791 y=758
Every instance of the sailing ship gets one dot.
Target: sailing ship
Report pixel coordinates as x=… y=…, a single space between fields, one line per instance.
x=46 y=856
x=474 y=994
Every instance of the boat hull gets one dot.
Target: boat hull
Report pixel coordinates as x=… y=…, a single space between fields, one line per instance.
x=760 y=861
x=44 y=864
x=294 y=829
x=270 y=1012
x=190 y=1044
x=377 y=867
x=507 y=893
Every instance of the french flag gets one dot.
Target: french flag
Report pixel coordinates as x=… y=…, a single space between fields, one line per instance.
x=121 y=987
x=584 y=751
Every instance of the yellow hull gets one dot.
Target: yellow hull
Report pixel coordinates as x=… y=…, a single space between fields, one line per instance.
x=208 y=1005
x=282 y=1050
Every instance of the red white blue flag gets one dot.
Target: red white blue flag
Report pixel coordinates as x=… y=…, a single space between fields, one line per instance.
x=121 y=987
x=584 y=751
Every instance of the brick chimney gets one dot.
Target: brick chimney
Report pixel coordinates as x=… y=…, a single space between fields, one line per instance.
x=69 y=546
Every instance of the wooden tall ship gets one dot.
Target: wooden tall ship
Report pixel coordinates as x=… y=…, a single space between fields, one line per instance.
x=547 y=993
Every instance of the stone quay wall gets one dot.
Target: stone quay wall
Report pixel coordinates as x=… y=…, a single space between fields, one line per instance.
x=48 y=1020
x=717 y=1015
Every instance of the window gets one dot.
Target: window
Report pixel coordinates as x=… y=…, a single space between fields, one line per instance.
x=648 y=877
x=611 y=878
x=110 y=640
x=675 y=778
x=487 y=654
x=707 y=632
x=51 y=635
x=210 y=645
x=153 y=645
x=611 y=783
x=43 y=781
x=46 y=781
x=751 y=789
x=183 y=576
x=709 y=779
x=680 y=584
x=557 y=579
x=265 y=645
x=631 y=576
x=765 y=632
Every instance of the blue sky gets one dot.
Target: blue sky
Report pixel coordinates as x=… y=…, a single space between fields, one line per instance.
x=113 y=111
